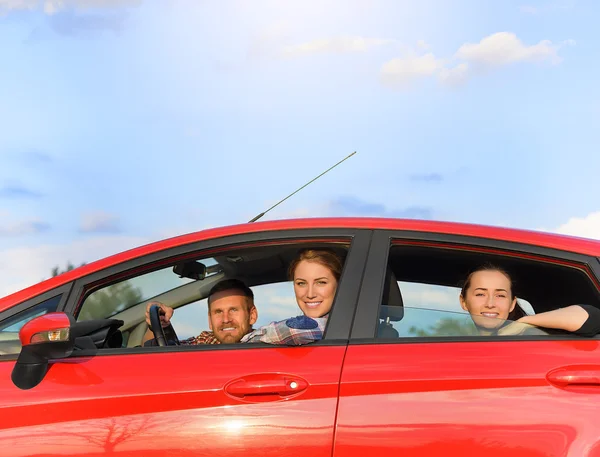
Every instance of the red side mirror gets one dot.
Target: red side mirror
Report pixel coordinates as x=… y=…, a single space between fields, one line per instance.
x=51 y=327
x=42 y=338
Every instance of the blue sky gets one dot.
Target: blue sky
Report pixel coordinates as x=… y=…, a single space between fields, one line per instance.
x=129 y=121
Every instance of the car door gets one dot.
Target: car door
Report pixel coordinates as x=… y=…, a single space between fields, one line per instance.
x=412 y=387
x=226 y=400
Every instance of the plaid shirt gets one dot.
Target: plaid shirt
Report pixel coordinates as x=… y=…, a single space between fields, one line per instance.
x=204 y=338
x=292 y=332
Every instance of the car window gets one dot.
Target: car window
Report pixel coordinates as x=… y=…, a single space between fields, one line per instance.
x=422 y=287
x=9 y=329
x=440 y=297
x=423 y=322
x=122 y=295
x=273 y=301
x=430 y=296
x=185 y=285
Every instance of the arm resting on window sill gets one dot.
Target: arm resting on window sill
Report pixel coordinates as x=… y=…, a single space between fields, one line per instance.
x=580 y=319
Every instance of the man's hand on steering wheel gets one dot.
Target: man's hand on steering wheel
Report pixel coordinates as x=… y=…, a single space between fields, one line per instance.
x=165 y=314
x=158 y=317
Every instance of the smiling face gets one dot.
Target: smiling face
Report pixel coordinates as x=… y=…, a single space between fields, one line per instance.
x=229 y=316
x=488 y=298
x=314 y=286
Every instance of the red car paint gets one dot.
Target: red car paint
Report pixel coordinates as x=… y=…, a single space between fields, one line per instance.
x=51 y=321
x=512 y=398
x=135 y=404
x=469 y=398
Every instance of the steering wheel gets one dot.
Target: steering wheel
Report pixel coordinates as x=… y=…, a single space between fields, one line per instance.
x=156 y=327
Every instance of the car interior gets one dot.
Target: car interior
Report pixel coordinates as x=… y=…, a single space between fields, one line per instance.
x=545 y=284
x=254 y=266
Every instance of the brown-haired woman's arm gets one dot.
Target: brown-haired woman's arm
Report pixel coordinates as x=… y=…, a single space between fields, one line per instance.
x=580 y=319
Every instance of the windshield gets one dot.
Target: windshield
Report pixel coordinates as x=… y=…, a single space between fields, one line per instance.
x=113 y=299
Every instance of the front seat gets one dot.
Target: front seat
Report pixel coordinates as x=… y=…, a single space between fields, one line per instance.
x=392 y=307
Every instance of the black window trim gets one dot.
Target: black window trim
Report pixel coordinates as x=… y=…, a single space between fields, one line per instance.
x=342 y=313
x=63 y=290
x=367 y=312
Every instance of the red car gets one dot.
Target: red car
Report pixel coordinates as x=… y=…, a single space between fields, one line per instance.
x=399 y=370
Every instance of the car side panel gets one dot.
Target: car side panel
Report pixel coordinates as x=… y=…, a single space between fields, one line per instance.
x=468 y=398
x=174 y=403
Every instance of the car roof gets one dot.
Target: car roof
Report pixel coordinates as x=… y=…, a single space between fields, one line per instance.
x=542 y=239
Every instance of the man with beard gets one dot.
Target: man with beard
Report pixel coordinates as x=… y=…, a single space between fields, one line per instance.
x=231 y=314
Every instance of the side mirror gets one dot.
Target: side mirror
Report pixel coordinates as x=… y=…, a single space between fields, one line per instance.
x=42 y=339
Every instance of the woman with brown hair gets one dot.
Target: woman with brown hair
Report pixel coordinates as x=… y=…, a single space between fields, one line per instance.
x=487 y=294
x=315 y=274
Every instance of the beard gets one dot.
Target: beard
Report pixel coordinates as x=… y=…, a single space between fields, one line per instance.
x=231 y=336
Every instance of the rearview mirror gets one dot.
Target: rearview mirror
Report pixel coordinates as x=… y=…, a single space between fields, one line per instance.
x=191 y=270
x=42 y=339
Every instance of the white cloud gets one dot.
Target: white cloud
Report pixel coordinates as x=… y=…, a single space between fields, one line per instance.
x=416 y=62
x=12 y=228
x=493 y=51
x=54 y=6
x=504 y=48
x=454 y=76
x=51 y=7
x=21 y=267
x=265 y=43
x=23 y=228
x=587 y=227
x=18 y=4
x=99 y=221
x=422 y=45
x=403 y=71
x=335 y=45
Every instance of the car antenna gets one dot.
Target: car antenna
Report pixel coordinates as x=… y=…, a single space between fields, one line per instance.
x=254 y=219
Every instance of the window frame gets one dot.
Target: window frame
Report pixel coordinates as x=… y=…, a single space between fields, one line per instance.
x=30 y=310
x=342 y=314
x=364 y=329
x=63 y=290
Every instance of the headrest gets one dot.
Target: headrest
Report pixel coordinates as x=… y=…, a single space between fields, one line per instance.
x=392 y=307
